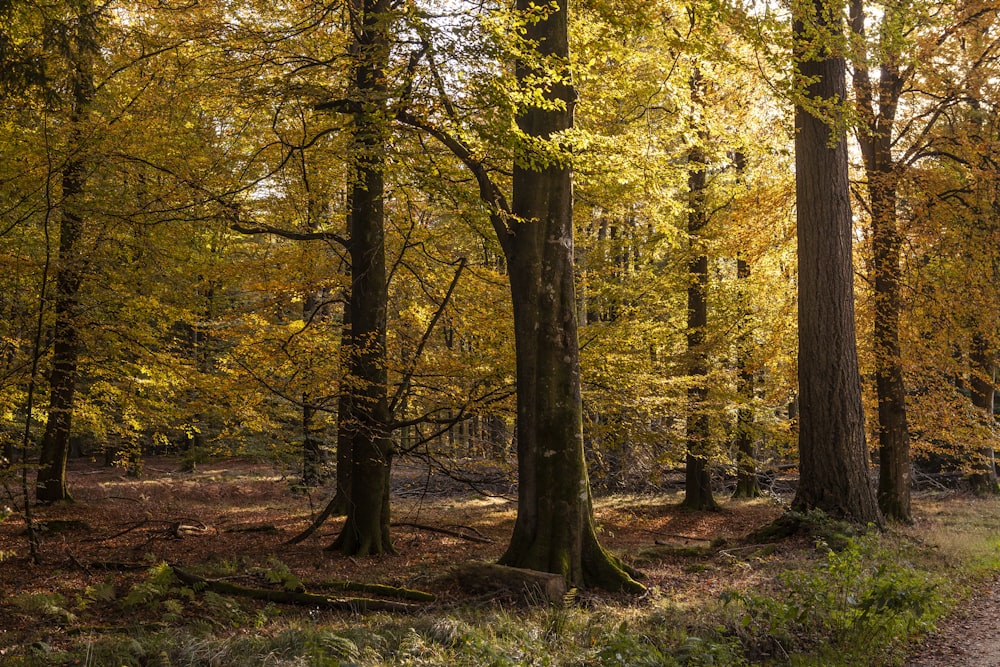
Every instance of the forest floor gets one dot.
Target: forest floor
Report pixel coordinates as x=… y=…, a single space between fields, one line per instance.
x=236 y=516
x=970 y=637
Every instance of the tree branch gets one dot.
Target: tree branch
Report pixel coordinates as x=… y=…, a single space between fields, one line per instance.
x=404 y=384
x=290 y=234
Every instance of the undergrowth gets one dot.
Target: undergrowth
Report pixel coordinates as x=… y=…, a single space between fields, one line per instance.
x=860 y=603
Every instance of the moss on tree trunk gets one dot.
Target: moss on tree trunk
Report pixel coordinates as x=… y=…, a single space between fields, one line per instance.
x=554 y=531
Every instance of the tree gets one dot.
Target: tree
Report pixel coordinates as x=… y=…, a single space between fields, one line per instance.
x=983 y=376
x=875 y=136
x=747 y=485
x=698 y=480
x=554 y=530
x=833 y=464
x=82 y=50
x=915 y=69
x=366 y=530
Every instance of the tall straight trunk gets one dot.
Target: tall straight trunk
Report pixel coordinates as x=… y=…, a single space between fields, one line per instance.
x=747 y=485
x=983 y=386
x=893 y=432
x=833 y=461
x=875 y=139
x=51 y=480
x=366 y=530
x=554 y=530
x=345 y=456
x=697 y=478
x=313 y=457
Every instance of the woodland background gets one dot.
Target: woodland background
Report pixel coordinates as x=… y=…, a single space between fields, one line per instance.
x=184 y=187
x=202 y=120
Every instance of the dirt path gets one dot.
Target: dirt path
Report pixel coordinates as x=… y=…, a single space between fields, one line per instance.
x=970 y=638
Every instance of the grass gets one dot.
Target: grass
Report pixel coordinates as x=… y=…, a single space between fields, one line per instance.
x=802 y=604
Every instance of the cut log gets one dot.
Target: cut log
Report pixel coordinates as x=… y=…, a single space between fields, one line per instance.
x=528 y=586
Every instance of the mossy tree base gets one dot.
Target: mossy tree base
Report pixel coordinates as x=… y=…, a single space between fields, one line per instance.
x=747 y=488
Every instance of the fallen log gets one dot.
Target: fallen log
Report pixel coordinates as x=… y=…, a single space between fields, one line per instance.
x=528 y=586
x=293 y=597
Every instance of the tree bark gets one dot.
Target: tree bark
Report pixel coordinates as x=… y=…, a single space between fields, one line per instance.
x=747 y=485
x=697 y=477
x=554 y=531
x=875 y=140
x=51 y=480
x=313 y=459
x=833 y=461
x=341 y=499
x=983 y=386
x=366 y=530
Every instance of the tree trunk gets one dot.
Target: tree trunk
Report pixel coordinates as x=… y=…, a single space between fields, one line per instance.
x=341 y=499
x=697 y=477
x=983 y=385
x=554 y=531
x=893 y=433
x=366 y=530
x=747 y=485
x=313 y=460
x=51 y=481
x=833 y=461
x=313 y=457
x=875 y=140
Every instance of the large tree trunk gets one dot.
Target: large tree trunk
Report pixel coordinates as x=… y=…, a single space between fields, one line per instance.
x=51 y=481
x=697 y=478
x=554 y=531
x=983 y=386
x=875 y=139
x=833 y=461
x=366 y=530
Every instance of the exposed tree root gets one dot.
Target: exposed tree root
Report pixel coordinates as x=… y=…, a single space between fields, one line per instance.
x=294 y=597
x=380 y=589
x=332 y=509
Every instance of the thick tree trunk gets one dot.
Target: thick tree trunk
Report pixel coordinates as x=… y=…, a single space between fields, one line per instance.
x=983 y=386
x=833 y=461
x=554 y=531
x=697 y=478
x=51 y=481
x=875 y=140
x=366 y=530
x=747 y=485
